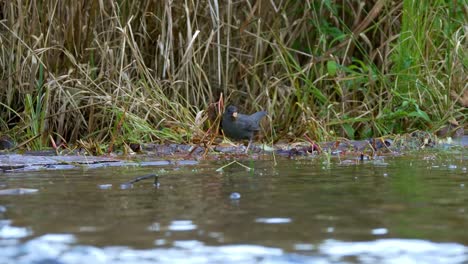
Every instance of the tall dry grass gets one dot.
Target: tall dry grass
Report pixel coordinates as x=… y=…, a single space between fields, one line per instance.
x=142 y=70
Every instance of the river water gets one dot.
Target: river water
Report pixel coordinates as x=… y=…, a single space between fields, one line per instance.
x=411 y=209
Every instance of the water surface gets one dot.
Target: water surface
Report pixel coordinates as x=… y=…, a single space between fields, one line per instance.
x=397 y=208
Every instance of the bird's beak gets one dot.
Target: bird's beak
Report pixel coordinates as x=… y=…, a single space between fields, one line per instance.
x=234 y=114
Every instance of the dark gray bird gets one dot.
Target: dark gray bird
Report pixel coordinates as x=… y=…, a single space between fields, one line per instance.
x=6 y=142
x=238 y=126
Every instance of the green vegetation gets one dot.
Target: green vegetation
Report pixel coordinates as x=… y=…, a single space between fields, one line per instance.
x=120 y=71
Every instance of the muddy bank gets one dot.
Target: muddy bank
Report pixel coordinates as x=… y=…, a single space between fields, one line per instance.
x=182 y=154
x=376 y=146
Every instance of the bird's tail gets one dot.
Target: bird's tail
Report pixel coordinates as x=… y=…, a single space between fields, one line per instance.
x=257 y=116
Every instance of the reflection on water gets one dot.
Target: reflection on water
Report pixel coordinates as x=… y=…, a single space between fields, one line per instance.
x=298 y=211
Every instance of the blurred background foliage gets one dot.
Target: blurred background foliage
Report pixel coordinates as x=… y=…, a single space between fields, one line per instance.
x=150 y=70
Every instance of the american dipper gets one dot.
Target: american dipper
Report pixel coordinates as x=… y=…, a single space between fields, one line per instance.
x=238 y=126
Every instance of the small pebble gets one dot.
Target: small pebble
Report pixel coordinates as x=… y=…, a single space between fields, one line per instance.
x=235 y=196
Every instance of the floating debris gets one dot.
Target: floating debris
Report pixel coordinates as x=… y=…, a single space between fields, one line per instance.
x=187 y=162
x=233 y=162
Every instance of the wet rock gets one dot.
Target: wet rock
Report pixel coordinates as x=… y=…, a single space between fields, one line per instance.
x=451 y=129
x=16 y=161
x=182 y=148
x=5 y=167
x=186 y=162
x=361 y=145
x=380 y=143
x=297 y=149
x=155 y=163
x=283 y=152
x=166 y=150
x=197 y=150
x=59 y=167
x=229 y=149
x=46 y=152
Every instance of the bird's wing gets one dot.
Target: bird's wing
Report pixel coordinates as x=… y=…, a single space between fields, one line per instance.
x=257 y=116
x=255 y=119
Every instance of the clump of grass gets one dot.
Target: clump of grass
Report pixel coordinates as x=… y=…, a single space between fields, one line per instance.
x=143 y=71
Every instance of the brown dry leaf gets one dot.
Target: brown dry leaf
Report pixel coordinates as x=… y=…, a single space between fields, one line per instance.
x=463 y=98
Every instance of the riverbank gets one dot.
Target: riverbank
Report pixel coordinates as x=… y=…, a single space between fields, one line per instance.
x=149 y=154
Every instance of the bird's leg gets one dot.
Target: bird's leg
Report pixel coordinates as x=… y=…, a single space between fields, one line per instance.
x=248 y=146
